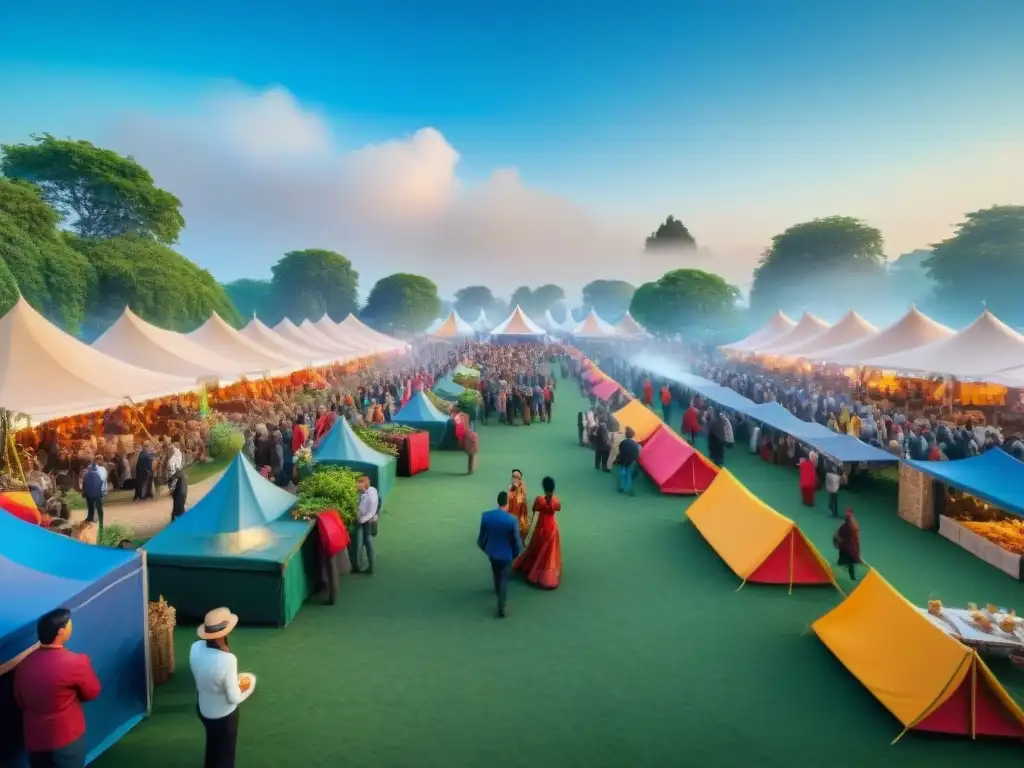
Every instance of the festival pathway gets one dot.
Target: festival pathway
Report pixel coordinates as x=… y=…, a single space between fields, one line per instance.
x=645 y=656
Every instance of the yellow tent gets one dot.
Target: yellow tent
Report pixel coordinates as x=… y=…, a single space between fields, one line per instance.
x=929 y=680
x=754 y=540
x=636 y=415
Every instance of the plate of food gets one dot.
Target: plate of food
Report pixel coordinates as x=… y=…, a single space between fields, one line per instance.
x=246 y=682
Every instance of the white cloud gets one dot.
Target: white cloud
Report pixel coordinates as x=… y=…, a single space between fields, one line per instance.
x=259 y=175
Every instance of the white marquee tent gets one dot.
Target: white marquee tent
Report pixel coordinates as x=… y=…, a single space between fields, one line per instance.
x=453 y=327
x=985 y=346
x=48 y=374
x=911 y=331
x=352 y=348
x=309 y=328
x=481 y=324
x=776 y=328
x=809 y=327
x=309 y=356
x=630 y=328
x=434 y=326
x=378 y=342
x=518 y=323
x=289 y=331
x=132 y=340
x=852 y=327
x=219 y=337
x=593 y=327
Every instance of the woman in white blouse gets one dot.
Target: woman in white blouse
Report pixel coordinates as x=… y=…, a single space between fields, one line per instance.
x=219 y=687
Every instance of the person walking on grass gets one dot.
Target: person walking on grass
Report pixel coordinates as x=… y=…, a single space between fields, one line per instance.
x=628 y=459
x=847 y=541
x=471 y=445
x=366 y=527
x=499 y=539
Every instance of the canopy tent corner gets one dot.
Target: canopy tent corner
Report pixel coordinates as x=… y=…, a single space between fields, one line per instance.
x=341 y=447
x=420 y=413
x=640 y=418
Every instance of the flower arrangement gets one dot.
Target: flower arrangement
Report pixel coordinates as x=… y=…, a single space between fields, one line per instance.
x=328 y=488
x=304 y=456
x=375 y=440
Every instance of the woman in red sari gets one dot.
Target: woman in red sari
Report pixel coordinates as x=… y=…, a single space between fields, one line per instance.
x=541 y=561
x=808 y=479
x=517 y=503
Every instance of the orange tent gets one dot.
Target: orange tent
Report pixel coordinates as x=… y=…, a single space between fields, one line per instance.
x=21 y=505
x=929 y=680
x=674 y=465
x=636 y=415
x=758 y=543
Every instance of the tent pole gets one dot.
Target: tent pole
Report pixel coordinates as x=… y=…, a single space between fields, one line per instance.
x=742 y=584
x=792 y=554
x=974 y=697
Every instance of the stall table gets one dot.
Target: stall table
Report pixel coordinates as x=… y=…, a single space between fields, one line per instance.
x=957 y=623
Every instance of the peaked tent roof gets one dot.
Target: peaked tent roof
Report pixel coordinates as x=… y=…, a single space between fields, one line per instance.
x=379 y=342
x=518 y=323
x=343 y=351
x=778 y=326
x=275 y=342
x=638 y=416
x=985 y=346
x=289 y=331
x=481 y=324
x=809 y=327
x=132 y=340
x=453 y=327
x=927 y=679
x=343 y=444
x=48 y=374
x=629 y=327
x=913 y=330
x=219 y=337
x=341 y=338
x=419 y=410
x=594 y=327
x=852 y=327
x=434 y=325
x=549 y=321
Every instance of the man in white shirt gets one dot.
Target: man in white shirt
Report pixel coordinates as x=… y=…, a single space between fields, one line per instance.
x=219 y=687
x=366 y=525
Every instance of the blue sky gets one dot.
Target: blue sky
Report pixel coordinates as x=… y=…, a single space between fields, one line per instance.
x=713 y=109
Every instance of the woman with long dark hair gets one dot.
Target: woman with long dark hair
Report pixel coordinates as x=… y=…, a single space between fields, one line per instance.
x=541 y=561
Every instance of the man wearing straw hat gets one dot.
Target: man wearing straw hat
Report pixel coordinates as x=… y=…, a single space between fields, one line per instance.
x=219 y=687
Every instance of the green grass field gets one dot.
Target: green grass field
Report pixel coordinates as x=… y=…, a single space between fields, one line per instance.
x=645 y=656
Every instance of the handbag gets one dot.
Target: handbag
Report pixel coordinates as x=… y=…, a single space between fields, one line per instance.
x=373 y=527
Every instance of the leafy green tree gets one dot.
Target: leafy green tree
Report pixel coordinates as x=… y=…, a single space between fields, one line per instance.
x=546 y=297
x=160 y=285
x=24 y=203
x=310 y=282
x=254 y=298
x=469 y=301
x=811 y=263
x=8 y=287
x=671 y=233
x=909 y=282
x=609 y=298
x=983 y=263
x=402 y=303
x=523 y=297
x=683 y=299
x=99 y=192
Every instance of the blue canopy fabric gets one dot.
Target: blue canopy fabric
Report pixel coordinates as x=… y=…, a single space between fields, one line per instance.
x=342 y=447
x=419 y=410
x=993 y=476
x=448 y=389
x=839 y=446
x=103 y=588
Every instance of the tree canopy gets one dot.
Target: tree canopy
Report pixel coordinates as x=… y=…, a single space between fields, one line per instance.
x=96 y=191
x=158 y=284
x=402 y=303
x=983 y=263
x=681 y=299
x=471 y=300
x=809 y=264
x=609 y=298
x=671 y=233
x=537 y=301
x=310 y=282
x=254 y=298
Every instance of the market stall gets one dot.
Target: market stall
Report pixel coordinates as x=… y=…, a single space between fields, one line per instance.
x=341 y=447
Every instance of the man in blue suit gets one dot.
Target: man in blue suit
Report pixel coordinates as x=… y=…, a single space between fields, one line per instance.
x=499 y=540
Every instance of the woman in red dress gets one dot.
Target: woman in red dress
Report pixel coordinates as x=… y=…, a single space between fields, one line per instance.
x=541 y=561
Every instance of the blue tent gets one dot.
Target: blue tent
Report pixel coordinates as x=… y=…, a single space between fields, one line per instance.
x=341 y=447
x=105 y=591
x=237 y=547
x=420 y=413
x=448 y=389
x=994 y=476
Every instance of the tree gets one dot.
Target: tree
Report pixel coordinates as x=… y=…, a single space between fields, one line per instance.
x=983 y=263
x=909 y=282
x=102 y=193
x=158 y=284
x=672 y=233
x=311 y=282
x=51 y=276
x=254 y=298
x=402 y=303
x=810 y=263
x=523 y=297
x=536 y=302
x=609 y=298
x=471 y=300
x=681 y=299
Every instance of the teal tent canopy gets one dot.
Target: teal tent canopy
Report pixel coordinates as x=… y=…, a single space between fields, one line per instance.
x=420 y=413
x=341 y=447
x=465 y=370
x=448 y=389
x=237 y=547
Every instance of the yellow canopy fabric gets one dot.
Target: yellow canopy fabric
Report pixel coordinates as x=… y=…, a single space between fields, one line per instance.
x=741 y=528
x=636 y=415
x=909 y=665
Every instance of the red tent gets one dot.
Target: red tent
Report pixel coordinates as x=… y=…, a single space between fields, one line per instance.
x=605 y=389
x=674 y=465
x=21 y=505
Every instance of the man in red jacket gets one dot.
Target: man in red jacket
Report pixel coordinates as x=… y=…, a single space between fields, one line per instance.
x=50 y=686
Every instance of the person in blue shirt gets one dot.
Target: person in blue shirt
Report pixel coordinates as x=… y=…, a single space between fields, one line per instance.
x=499 y=539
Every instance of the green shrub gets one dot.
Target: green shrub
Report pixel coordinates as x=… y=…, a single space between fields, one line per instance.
x=112 y=535
x=329 y=488
x=224 y=440
x=376 y=440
